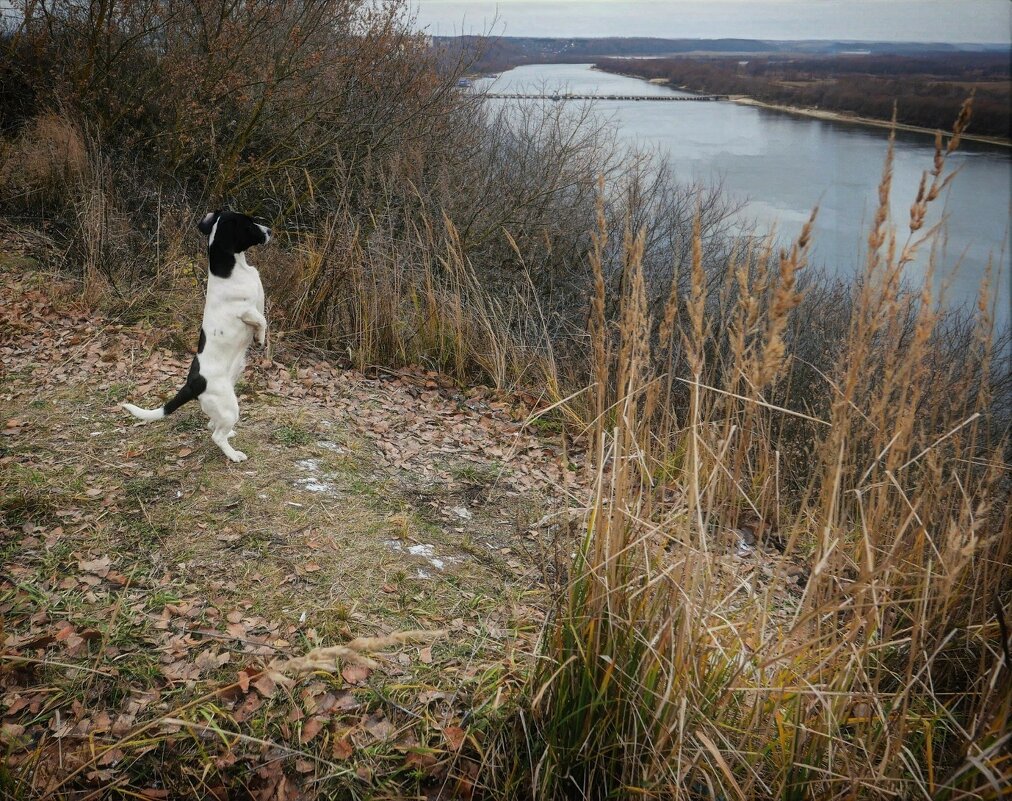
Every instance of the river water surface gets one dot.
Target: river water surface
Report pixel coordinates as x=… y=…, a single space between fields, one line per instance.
x=782 y=165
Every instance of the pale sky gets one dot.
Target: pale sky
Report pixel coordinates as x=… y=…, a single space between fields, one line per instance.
x=968 y=21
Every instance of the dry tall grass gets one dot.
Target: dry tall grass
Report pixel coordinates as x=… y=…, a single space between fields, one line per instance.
x=47 y=155
x=884 y=672
x=410 y=296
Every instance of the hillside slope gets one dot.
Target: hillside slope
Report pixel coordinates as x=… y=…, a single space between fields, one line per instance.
x=147 y=582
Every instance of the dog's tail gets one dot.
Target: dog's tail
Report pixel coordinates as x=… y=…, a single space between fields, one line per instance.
x=191 y=389
x=144 y=414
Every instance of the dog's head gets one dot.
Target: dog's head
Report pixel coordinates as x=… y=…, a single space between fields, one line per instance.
x=229 y=233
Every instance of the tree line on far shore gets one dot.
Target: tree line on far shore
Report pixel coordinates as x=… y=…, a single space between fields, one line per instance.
x=927 y=89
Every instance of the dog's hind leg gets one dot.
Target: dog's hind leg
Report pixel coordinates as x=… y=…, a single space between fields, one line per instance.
x=211 y=427
x=223 y=409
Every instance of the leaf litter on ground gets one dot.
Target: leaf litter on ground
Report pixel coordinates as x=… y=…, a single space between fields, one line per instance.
x=166 y=616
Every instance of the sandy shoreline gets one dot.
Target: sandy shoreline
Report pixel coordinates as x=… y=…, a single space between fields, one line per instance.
x=837 y=116
x=830 y=116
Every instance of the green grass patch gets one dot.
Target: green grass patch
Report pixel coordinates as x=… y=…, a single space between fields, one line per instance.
x=291 y=435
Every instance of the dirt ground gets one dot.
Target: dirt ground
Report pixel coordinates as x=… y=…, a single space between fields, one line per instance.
x=148 y=583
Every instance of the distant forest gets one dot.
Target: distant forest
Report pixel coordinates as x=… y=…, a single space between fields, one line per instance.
x=495 y=54
x=927 y=81
x=927 y=88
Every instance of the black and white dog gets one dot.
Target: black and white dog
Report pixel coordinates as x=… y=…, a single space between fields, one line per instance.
x=233 y=313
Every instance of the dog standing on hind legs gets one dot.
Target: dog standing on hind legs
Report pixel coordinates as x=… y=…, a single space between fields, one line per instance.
x=233 y=315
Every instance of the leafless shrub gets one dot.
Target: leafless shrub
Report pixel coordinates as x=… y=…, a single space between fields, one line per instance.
x=42 y=165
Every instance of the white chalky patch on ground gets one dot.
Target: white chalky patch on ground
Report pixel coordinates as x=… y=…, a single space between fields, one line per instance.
x=427 y=552
x=331 y=446
x=312 y=485
x=462 y=512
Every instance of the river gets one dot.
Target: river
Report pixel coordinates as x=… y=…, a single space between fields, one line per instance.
x=781 y=165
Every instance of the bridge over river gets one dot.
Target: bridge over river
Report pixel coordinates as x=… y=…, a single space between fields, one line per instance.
x=645 y=98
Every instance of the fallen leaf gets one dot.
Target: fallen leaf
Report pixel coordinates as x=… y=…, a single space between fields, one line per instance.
x=346 y=701
x=379 y=727
x=10 y=732
x=251 y=703
x=65 y=631
x=111 y=757
x=265 y=685
x=311 y=728
x=343 y=749
x=425 y=655
x=210 y=660
x=454 y=737
x=122 y=724
x=99 y=567
x=419 y=761
x=355 y=674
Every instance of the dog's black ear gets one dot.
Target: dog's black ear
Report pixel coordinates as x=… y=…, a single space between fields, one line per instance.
x=207 y=222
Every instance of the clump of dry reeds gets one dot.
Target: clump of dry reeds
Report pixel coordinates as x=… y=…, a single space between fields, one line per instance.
x=671 y=671
x=46 y=159
x=413 y=300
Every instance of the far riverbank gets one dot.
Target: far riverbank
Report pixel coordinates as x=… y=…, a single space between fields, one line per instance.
x=821 y=114
x=839 y=116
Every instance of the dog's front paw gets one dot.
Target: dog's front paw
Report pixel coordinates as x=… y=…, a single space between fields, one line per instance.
x=238 y=456
x=262 y=336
